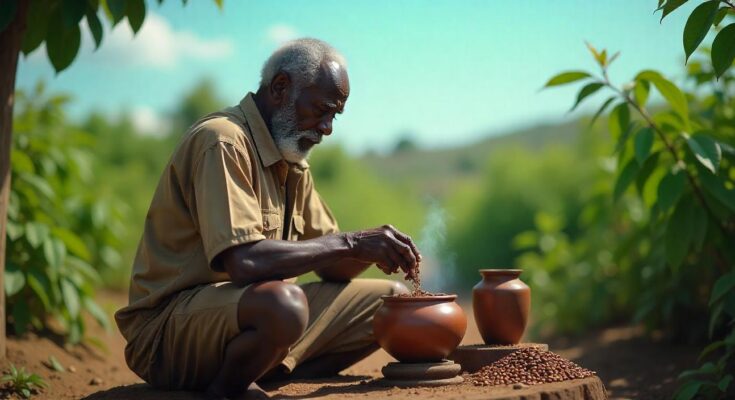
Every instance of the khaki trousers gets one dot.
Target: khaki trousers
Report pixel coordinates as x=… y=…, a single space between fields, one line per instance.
x=201 y=321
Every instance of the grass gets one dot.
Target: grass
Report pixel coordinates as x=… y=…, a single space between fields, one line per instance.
x=23 y=383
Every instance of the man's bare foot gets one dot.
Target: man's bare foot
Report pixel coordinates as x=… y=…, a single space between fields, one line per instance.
x=253 y=392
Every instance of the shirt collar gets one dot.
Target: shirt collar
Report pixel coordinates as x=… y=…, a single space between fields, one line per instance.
x=267 y=149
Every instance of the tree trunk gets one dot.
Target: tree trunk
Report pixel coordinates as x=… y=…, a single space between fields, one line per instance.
x=10 y=43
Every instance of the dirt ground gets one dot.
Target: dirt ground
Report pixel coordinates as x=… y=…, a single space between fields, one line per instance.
x=629 y=364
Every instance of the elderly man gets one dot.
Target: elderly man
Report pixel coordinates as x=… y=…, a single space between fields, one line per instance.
x=234 y=217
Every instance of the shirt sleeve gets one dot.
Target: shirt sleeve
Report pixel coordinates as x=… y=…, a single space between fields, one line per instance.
x=318 y=218
x=226 y=206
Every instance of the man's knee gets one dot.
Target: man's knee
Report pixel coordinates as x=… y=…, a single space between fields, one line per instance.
x=278 y=309
x=387 y=287
x=375 y=288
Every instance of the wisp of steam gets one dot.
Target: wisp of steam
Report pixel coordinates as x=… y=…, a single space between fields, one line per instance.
x=438 y=271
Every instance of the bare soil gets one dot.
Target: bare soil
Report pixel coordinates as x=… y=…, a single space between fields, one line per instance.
x=630 y=364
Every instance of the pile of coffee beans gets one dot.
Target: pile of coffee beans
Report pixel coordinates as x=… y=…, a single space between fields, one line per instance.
x=529 y=366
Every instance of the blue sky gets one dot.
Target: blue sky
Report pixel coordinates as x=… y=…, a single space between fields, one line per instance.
x=447 y=72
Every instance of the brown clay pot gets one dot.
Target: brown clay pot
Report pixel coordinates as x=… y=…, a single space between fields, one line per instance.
x=501 y=303
x=419 y=329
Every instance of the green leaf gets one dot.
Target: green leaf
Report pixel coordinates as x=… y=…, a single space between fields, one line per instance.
x=55 y=252
x=586 y=91
x=62 y=44
x=643 y=143
x=40 y=286
x=8 y=9
x=96 y=312
x=626 y=177
x=721 y=14
x=709 y=349
x=15 y=280
x=619 y=120
x=95 y=27
x=716 y=187
x=85 y=269
x=707 y=368
x=670 y=6
x=136 y=14
x=40 y=185
x=706 y=150
x=669 y=91
x=645 y=172
x=72 y=12
x=600 y=57
x=723 y=285
x=117 y=10
x=601 y=110
x=723 y=50
x=640 y=92
x=21 y=162
x=36 y=25
x=699 y=227
x=688 y=390
x=678 y=234
x=698 y=24
x=14 y=230
x=36 y=233
x=71 y=297
x=670 y=189
x=21 y=316
x=55 y=364
x=724 y=383
x=73 y=243
x=566 y=77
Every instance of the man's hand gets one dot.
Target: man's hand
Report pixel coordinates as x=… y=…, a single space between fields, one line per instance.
x=387 y=247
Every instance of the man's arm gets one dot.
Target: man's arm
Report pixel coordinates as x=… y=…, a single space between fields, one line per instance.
x=343 y=270
x=333 y=257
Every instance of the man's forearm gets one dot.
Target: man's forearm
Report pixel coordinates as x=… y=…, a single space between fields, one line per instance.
x=343 y=270
x=279 y=259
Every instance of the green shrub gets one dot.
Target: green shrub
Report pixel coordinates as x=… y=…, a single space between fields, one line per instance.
x=60 y=232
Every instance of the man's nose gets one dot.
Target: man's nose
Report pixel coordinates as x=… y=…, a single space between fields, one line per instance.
x=325 y=127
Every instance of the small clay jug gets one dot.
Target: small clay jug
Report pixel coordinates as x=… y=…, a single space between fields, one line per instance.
x=419 y=329
x=501 y=303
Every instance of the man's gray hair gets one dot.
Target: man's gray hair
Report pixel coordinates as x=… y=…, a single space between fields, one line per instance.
x=300 y=59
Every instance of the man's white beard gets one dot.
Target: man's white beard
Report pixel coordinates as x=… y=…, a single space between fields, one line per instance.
x=286 y=134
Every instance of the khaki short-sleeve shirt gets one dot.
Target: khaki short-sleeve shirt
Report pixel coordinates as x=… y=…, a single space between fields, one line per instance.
x=226 y=184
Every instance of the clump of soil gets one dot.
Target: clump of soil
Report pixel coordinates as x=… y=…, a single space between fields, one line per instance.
x=529 y=366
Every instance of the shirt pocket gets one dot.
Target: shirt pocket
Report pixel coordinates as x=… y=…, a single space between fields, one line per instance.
x=271 y=223
x=298 y=226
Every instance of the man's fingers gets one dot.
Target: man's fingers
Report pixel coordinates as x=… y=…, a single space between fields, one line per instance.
x=407 y=240
x=386 y=270
x=397 y=261
x=409 y=260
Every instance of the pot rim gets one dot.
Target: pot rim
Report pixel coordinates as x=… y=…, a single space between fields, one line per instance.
x=418 y=299
x=499 y=272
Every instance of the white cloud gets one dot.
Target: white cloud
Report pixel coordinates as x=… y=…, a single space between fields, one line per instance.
x=148 y=122
x=156 y=45
x=280 y=33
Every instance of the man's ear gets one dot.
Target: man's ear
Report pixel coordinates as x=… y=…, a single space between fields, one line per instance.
x=279 y=88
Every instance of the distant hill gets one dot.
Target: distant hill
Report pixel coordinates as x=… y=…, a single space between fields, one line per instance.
x=434 y=172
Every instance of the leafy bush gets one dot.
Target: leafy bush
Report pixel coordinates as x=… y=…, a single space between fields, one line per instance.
x=676 y=248
x=515 y=184
x=60 y=233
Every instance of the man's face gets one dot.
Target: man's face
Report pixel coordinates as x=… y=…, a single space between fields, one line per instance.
x=308 y=113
